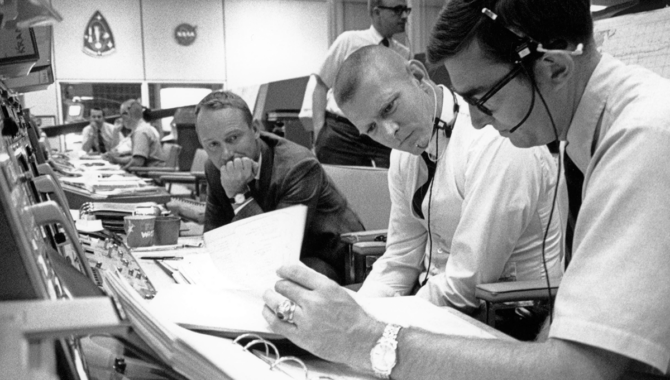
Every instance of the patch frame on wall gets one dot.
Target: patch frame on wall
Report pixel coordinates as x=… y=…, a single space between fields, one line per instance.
x=98 y=37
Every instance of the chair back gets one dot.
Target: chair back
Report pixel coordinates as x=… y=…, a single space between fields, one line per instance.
x=172 y=152
x=199 y=159
x=366 y=190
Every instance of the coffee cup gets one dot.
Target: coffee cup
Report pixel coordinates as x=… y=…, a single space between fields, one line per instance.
x=166 y=230
x=139 y=230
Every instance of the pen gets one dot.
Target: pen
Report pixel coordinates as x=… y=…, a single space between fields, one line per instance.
x=158 y=248
x=169 y=270
x=161 y=257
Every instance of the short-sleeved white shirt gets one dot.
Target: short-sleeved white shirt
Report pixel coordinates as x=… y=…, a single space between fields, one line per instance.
x=615 y=294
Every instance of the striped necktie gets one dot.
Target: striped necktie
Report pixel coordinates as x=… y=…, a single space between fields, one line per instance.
x=101 y=142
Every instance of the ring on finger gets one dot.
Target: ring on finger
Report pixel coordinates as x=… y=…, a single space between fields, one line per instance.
x=291 y=311
x=282 y=311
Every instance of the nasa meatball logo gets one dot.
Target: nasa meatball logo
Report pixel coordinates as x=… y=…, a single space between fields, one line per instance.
x=185 y=34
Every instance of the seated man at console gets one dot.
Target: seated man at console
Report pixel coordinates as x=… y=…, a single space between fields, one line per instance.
x=250 y=172
x=145 y=141
x=468 y=207
x=97 y=137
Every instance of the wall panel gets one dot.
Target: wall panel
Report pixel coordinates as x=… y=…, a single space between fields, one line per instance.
x=123 y=17
x=165 y=59
x=270 y=40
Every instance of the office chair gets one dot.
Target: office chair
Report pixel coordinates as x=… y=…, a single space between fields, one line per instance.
x=171 y=162
x=366 y=190
x=196 y=175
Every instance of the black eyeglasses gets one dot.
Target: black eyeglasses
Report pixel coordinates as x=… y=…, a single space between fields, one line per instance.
x=479 y=103
x=398 y=9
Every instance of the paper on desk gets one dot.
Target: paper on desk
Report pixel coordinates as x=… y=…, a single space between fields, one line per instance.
x=196 y=356
x=89 y=225
x=418 y=312
x=242 y=263
x=227 y=312
x=248 y=252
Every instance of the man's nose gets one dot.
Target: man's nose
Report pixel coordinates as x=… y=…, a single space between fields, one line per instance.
x=391 y=129
x=226 y=155
x=479 y=119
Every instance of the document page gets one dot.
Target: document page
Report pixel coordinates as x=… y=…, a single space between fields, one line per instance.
x=240 y=262
x=248 y=252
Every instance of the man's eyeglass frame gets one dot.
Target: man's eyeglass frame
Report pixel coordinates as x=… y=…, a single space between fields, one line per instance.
x=398 y=9
x=479 y=103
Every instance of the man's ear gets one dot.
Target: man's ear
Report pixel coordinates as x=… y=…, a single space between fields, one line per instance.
x=555 y=68
x=255 y=127
x=417 y=70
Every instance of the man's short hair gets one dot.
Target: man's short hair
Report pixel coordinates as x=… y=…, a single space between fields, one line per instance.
x=372 y=4
x=220 y=99
x=355 y=67
x=98 y=109
x=553 y=23
x=135 y=108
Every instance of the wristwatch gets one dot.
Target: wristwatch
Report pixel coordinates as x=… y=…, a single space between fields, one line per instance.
x=383 y=354
x=240 y=198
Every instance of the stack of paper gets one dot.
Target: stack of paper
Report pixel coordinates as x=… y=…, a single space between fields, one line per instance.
x=193 y=355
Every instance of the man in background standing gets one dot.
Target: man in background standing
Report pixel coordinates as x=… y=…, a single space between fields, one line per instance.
x=337 y=140
x=98 y=136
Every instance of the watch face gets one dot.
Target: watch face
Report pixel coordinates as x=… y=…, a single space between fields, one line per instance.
x=383 y=357
x=239 y=198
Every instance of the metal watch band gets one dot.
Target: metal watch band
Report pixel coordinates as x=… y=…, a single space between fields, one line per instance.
x=388 y=340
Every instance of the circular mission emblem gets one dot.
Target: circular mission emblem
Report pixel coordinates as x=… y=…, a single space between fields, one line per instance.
x=185 y=34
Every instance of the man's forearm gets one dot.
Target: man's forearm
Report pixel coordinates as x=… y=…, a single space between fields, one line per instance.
x=133 y=161
x=319 y=102
x=423 y=355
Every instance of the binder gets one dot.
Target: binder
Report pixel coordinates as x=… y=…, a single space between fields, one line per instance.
x=204 y=357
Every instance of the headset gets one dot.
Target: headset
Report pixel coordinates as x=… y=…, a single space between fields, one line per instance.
x=438 y=124
x=527 y=50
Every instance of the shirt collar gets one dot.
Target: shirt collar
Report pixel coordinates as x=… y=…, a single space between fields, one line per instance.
x=260 y=165
x=586 y=121
x=378 y=37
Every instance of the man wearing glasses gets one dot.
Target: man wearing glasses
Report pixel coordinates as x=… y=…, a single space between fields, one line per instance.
x=337 y=140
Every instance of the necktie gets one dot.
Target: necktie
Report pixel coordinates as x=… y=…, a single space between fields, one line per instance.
x=420 y=194
x=385 y=42
x=101 y=143
x=574 y=179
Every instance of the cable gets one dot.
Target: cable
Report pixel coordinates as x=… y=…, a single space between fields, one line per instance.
x=430 y=199
x=447 y=131
x=553 y=203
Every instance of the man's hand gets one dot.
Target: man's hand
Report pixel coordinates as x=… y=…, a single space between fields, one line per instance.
x=327 y=320
x=236 y=174
x=111 y=156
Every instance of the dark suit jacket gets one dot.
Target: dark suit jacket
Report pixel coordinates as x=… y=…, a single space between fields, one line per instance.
x=290 y=175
